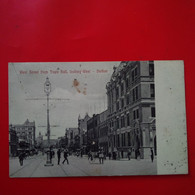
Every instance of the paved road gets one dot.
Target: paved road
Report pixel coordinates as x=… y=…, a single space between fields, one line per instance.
x=34 y=167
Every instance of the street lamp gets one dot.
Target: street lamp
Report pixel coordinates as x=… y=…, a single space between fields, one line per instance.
x=47 y=90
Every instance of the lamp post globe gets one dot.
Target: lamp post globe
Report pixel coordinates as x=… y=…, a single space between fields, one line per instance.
x=47 y=86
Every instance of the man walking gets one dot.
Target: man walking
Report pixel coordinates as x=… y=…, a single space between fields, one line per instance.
x=101 y=156
x=129 y=154
x=59 y=155
x=21 y=158
x=65 y=156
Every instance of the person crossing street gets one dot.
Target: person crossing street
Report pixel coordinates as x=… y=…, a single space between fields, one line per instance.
x=59 y=155
x=65 y=156
x=101 y=156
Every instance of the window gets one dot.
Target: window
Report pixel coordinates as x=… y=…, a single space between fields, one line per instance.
x=136 y=114
x=152 y=91
x=129 y=139
x=151 y=68
x=118 y=140
x=112 y=107
x=128 y=120
x=122 y=89
x=122 y=121
x=127 y=99
x=117 y=123
x=111 y=97
x=123 y=139
x=153 y=114
x=122 y=103
x=127 y=83
x=134 y=74
x=117 y=93
x=135 y=93
x=117 y=106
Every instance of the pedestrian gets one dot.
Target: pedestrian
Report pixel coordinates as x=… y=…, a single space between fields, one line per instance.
x=129 y=154
x=104 y=155
x=122 y=153
x=21 y=158
x=114 y=155
x=65 y=156
x=59 y=155
x=109 y=155
x=151 y=154
x=101 y=156
x=81 y=153
x=90 y=155
x=138 y=154
x=53 y=154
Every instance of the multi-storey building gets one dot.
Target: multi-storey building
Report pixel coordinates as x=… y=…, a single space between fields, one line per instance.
x=26 y=133
x=13 y=141
x=82 y=127
x=53 y=143
x=93 y=133
x=62 y=141
x=73 y=138
x=131 y=109
x=39 y=141
x=103 y=131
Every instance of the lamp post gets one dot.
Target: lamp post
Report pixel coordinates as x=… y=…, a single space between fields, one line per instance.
x=47 y=90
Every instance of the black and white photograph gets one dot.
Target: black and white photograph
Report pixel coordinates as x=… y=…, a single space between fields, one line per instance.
x=72 y=119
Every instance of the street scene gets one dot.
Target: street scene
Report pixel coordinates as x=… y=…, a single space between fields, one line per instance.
x=80 y=166
x=82 y=119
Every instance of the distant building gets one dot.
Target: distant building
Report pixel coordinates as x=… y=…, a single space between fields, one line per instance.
x=13 y=141
x=131 y=109
x=82 y=128
x=93 y=133
x=39 y=141
x=63 y=141
x=26 y=134
x=73 y=138
x=103 y=131
x=53 y=143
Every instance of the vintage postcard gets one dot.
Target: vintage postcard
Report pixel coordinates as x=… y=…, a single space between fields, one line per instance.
x=117 y=118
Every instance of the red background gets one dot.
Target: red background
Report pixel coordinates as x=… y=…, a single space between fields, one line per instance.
x=97 y=30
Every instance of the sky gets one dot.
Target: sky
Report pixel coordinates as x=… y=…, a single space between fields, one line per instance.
x=77 y=88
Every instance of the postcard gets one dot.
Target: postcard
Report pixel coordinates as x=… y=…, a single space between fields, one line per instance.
x=113 y=118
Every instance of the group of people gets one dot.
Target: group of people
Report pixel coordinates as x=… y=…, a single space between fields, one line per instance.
x=100 y=154
x=129 y=154
x=65 y=156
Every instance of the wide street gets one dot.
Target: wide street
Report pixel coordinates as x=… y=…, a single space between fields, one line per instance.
x=34 y=167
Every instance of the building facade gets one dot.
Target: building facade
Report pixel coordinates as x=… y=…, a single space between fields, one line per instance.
x=131 y=109
x=63 y=141
x=93 y=133
x=82 y=128
x=26 y=134
x=39 y=141
x=13 y=141
x=103 y=131
x=53 y=143
x=73 y=139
